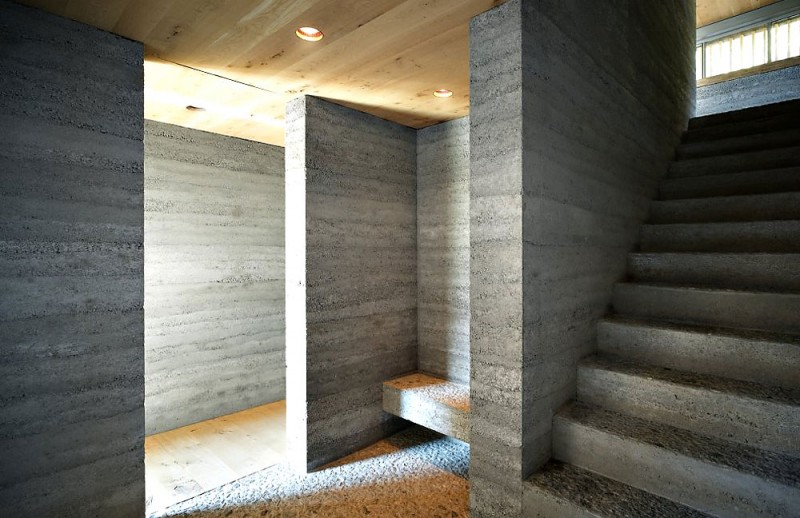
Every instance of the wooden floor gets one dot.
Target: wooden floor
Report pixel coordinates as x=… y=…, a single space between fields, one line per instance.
x=188 y=461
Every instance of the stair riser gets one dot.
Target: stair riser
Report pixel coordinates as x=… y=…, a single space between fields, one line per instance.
x=765 y=424
x=779 y=272
x=778 y=312
x=696 y=483
x=734 y=184
x=761 y=361
x=748 y=116
x=757 y=142
x=734 y=163
x=763 y=237
x=737 y=129
x=764 y=207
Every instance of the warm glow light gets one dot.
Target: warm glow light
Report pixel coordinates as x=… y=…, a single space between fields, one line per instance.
x=309 y=33
x=443 y=93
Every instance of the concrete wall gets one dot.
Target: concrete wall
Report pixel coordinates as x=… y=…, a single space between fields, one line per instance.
x=576 y=109
x=443 y=249
x=71 y=272
x=351 y=277
x=214 y=282
x=746 y=92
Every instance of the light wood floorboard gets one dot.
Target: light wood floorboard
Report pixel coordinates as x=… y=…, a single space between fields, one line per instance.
x=188 y=461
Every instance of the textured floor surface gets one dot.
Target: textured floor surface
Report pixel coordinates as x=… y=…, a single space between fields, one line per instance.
x=417 y=472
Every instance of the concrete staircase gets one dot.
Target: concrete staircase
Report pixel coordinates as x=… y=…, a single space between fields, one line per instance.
x=691 y=406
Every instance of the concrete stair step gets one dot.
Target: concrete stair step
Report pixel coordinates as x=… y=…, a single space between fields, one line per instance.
x=758 y=207
x=434 y=403
x=779 y=272
x=712 y=475
x=744 y=412
x=748 y=236
x=775 y=122
x=739 y=144
x=732 y=184
x=560 y=489
x=747 y=115
x=755 y=356
x=757 y=310
x=788 y=156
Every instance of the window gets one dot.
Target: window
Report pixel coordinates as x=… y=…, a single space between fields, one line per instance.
x=752 y=47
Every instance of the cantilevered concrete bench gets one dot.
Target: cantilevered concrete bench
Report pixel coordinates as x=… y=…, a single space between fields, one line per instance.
x=434 y=403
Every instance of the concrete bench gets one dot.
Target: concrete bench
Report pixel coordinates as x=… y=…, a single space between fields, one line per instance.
x=434 y=403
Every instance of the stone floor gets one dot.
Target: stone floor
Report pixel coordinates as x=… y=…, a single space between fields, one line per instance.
x=416 y=473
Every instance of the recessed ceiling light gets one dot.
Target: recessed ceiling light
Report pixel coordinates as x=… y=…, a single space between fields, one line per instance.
x=443 y=92
x=309 y=33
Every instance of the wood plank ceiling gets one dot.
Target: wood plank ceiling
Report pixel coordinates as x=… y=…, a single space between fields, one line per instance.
x=240 y=62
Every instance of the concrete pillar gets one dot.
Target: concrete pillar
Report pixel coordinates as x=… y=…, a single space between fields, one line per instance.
x=351 y=289
x=576 y=109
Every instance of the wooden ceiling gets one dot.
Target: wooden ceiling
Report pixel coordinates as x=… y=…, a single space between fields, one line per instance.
x=240 y=62
x=710 y=11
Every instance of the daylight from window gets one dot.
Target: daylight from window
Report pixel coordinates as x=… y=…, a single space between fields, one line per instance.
x=755 y=46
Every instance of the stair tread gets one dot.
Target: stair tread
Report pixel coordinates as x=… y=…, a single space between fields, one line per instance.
x=694 y=380
x=776 y=467
x=602 y=495
x=760 y=141
x=736 y=162
x=768 y=180
x=776 y=206
x=745 y=114
x=694 y=287
x=746 y=334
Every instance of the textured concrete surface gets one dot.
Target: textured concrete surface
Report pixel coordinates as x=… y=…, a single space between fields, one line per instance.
x=563 y=490
x=576 y=110
x=759 y=207
x=738 y=236
x=214 y=275
x=443 y=249
x=776 y=272
x=744 y=355
x=708 y=474
x=785 y=179
x=739 y=143
x=750 y=160
x=351 y=277
x=758 y=310
x=745 y=92
x=71 y=269
x=414 y=473
x=766 y=417
x=434 y=403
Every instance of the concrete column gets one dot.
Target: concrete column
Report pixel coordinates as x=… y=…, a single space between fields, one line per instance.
x=576 y=109
x=351 y=289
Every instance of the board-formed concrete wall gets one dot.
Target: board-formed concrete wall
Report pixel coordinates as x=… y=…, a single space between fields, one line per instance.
x=214 y=282
x=745 y=92
x=443 y=249
x=351 y=277
x=71 y=269
x=576 y=109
